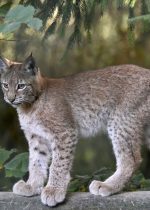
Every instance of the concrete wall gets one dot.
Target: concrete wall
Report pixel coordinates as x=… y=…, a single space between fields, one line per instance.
x=80 y=201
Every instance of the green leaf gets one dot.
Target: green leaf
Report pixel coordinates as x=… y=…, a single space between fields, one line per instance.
x=4 y=155
x=131 y=3
x=74 y=185
x=139 y=18
x=5 y=8
x=9 y=27
x=20 y=14
x=35 y=23
x=18 y=166
x=50 y=30
x=145 y=183
x=14 y=173
x=79 y=183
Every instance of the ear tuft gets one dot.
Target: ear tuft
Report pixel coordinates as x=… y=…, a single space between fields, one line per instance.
x=29 y=65
x=3 y=64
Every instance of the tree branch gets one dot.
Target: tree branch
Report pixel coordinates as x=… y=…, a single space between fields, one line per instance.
x=14 y=40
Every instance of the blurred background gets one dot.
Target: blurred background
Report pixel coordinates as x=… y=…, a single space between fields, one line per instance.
x=112 y=42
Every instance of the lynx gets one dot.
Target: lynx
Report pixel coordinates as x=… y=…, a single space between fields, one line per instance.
x=54 y=113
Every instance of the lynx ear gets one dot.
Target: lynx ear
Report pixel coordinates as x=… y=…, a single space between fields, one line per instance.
x=29 y=65
x=4 y=64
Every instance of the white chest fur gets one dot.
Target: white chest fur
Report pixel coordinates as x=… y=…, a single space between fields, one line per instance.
x=32 y=123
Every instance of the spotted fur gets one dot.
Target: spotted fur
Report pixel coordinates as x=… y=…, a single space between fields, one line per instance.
x=53 y=113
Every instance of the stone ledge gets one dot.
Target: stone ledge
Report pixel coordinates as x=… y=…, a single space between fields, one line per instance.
x=80 y=201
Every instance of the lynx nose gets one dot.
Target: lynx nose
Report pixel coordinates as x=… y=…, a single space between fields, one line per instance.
x=11 y=99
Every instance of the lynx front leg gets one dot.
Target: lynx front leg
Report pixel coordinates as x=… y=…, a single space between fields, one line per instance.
x=126 y=140
x=39 y=158
x=59 y=176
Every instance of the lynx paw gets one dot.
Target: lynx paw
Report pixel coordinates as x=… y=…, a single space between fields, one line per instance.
x=51 y=196
x=100 y=188
x=22 y=188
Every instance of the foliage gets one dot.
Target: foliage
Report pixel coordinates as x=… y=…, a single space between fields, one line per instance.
x=81 y=183
x=17 y=16
x=4 y=156
x=138 y=182
x=57 y=15
x=16 y=166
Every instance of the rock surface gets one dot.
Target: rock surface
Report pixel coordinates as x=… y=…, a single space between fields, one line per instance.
x=80 y=201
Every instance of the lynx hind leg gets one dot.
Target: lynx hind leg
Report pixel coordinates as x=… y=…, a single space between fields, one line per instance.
x=126 y=140
x=39 y=158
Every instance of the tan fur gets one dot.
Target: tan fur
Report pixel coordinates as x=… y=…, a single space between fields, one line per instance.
x=53 y=113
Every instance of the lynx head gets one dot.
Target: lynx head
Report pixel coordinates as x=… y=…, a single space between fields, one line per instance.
x=19 y=81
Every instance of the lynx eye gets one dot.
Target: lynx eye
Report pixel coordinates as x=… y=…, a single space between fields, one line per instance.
x=5 y=85
x=21 y=86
